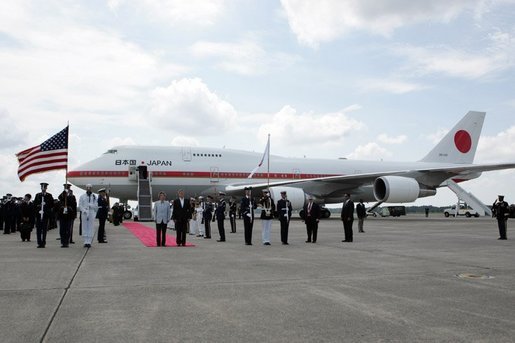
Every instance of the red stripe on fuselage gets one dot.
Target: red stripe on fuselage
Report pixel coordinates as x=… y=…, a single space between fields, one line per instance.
x=195 y=174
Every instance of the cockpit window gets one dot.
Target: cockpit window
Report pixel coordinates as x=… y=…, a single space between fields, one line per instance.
x=111 y=151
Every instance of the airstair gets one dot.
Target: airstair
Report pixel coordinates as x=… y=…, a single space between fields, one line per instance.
x=469 y=198
x=144 y=195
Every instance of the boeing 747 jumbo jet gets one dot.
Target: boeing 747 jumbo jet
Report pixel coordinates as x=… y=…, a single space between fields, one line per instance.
x=204 y=171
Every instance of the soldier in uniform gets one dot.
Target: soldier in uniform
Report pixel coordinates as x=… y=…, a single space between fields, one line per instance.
x=232 y=214
x=267 y=215
x=199 y=209
x=43 y=205
x=27 y=218
x=88 y=205
x=220 y=216
x=501 y=211
x=284 y=210
x=9 y=214
x=103 y=210
x=72 y=204
x=247 y=207
x=361 y=211
x=311 y=218
x=65 y=214
x=207 y=214
x=2 y=204
x=347 y=216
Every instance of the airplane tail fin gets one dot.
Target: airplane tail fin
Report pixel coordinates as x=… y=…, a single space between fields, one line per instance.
x=460 y=144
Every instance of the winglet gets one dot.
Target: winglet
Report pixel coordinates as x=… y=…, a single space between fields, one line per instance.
x=460 y=144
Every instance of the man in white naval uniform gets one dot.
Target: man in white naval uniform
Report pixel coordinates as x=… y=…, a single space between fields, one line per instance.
x=200 y=216
x=88 y=205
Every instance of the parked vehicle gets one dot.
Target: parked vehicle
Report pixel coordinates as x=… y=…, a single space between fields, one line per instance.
x=387 y=211
x=463 y=211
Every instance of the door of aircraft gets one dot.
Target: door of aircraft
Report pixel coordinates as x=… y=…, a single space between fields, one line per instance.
x=186 y=154
x=214 y=174
x=296 y=173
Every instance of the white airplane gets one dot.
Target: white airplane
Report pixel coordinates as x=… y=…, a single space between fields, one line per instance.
x=206 y=171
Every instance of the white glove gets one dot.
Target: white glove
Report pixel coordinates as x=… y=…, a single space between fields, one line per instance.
x=248 y=215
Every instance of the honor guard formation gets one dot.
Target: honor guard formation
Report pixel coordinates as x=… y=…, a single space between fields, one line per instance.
x=185 y=216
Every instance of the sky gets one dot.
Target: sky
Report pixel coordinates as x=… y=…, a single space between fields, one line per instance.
x=361 y=79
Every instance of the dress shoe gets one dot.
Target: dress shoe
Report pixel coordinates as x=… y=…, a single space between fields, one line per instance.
x=64 y=246
x=248 y=243
x=102 y=242
x=220 y=240
x=502 y=239
x=267 y=243
x=72 y=242
x=40 y=246
x=314 y=242
x=308 y=241
x=285 y=243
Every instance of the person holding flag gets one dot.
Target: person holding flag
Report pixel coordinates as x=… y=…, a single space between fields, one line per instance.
x=43 y=204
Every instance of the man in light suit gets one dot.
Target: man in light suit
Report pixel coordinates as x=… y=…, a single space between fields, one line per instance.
x=181 y=215
x=347 y=217
x=162 y=214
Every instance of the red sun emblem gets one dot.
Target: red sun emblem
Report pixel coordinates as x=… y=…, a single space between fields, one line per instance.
x=463 y=141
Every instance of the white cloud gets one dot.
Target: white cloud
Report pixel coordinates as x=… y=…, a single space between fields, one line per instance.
x=176 y=12
x=116 y=141
x=10 y=134
x=390 y=86
x=289 y=127
x=315 y=22
x=437 y=136
x=187 y=105
x=384 y=138
x=498 y=148
x=185 y=141
x=58 y=68
x=246 y=57
x=370 y=151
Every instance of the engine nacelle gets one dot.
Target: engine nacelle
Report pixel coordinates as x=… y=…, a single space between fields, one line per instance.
x=397 y=189
x=296 y=196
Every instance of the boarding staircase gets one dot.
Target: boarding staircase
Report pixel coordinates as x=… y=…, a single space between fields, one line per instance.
x=469 y=198
x=144 y=198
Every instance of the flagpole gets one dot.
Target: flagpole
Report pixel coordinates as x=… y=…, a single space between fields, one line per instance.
x=268 y=163
x=66 y=172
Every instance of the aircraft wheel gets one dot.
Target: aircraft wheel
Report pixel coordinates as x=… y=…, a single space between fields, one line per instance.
x=127 y=215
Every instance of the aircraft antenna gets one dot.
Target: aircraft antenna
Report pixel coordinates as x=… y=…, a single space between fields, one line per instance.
x=268 y=163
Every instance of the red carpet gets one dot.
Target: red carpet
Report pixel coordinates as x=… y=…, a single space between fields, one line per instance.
x=147 y=235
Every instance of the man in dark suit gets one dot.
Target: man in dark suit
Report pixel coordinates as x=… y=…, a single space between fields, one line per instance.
x=181 y=215
x=284 y=211
x=102 y=213
x=43 y=205
x=347 y=217
x=311 y=218
x=247 y=207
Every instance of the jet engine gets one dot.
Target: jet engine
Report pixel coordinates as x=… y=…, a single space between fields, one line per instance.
x=296 y=196
x=397 y=189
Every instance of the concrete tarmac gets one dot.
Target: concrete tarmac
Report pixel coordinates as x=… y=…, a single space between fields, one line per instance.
x=412 y=279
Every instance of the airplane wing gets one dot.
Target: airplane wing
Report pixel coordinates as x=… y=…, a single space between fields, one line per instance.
x=437 y=175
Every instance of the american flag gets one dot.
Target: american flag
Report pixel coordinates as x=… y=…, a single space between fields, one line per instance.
x=52 y=154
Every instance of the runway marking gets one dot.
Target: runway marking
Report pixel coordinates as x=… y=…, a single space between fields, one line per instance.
x=63 y=296
x=474 y=276
x=147 y=235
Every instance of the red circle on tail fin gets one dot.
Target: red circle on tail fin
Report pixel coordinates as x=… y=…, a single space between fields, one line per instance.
x=463 y=141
